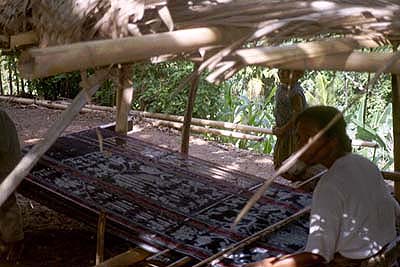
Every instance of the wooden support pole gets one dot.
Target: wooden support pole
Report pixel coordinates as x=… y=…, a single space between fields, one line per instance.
x=101 y=229
x=396 y=127
x=43 y=62
x=124 y=99
x=10 y=87
x=128 y=258
x=10 y=183
x=1 y=79
x=188 y=113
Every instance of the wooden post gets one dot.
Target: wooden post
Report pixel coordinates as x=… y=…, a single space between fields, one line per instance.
x=101 y=228
x=188 y=114
x=396 y=126
x=14 y=64
x=1 y=80
x=22 y=86
x=10 y=76
x=124 y=99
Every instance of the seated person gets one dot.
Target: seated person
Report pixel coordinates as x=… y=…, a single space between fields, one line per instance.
x=11 y=233
x=352 y=213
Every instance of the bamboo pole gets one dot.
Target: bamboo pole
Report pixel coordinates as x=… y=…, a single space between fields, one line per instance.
x=45 y=103
x=13 y=179
x=101 y=229
x=23 y=39
x=254 y=237
x=203 y=122
x=124 y=99
x=354 y=61
x=42 y=62
x=281 y=54
x=198 y=129
x=188 y=113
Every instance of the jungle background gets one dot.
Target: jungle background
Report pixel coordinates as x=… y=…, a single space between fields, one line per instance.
x=246 y=98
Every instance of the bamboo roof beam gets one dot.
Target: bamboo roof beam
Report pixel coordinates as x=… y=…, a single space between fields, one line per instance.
x=43 y=62
x=23 y=39
x=354 y=61
x=351 y=61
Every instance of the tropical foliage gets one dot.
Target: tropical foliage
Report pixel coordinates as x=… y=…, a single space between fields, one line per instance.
x=246 y=98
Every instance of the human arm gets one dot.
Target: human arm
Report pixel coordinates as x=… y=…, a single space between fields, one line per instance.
x=303 y=259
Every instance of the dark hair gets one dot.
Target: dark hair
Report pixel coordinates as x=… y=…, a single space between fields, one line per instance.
x=322 y=115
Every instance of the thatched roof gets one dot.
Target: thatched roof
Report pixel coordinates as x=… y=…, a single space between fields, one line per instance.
x=57 y=22
x=60 y=22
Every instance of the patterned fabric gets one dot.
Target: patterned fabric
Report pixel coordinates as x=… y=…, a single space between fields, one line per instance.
x=163 y=199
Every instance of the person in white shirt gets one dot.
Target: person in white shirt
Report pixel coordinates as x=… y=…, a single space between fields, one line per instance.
x=353 y=215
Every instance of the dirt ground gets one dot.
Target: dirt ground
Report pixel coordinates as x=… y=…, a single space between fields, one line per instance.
x=53 y=239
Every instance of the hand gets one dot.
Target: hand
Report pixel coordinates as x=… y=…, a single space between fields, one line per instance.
x=269 y=262
x=278 y=131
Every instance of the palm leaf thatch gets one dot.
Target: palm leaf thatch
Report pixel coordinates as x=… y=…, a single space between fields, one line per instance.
x=62 y=22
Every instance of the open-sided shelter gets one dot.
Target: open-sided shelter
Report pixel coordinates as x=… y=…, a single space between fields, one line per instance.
x=222 y=36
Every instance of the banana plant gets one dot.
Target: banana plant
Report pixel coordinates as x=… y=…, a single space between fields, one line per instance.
x=377 y=129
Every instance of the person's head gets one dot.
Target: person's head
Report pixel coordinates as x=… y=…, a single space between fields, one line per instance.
x=334 y=143
x=289 y=77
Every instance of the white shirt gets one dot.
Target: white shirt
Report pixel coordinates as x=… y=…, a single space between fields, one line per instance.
x=352 y=212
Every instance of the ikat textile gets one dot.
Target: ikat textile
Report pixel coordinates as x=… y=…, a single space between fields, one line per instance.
x=167 y=200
